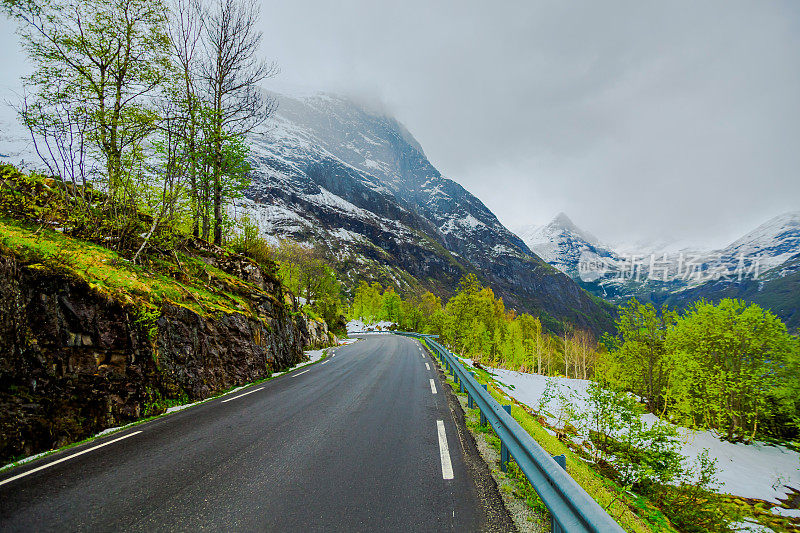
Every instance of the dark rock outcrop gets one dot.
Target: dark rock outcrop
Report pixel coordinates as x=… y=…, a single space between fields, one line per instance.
x=74 y=361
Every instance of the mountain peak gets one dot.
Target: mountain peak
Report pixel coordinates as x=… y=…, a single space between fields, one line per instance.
x=563 y=224
x=563 y=220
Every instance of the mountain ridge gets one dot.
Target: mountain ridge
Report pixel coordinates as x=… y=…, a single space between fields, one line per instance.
x=762 y=266
x=333 y=172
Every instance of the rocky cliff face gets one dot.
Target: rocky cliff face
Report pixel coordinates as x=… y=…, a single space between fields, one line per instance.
x=74 y=361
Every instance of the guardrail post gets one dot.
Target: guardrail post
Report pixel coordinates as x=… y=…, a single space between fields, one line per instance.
x=470 y=403
x=504 y=456
x=562 y=462
x=484 y=421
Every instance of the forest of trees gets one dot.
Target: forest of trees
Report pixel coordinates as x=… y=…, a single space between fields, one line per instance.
x=476 y=324
x=732 y=367
x=147 y=101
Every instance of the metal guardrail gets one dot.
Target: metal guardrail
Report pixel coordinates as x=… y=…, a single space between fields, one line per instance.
x=571 y=507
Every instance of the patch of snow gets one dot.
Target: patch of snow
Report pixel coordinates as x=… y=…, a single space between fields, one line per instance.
x=466 y=223
x=26 y=460
x=360 y=326
x=346 y=235
x=746 y=526
x=783 y=511
x=110 y=430
x=756 y=470
x=177 y=408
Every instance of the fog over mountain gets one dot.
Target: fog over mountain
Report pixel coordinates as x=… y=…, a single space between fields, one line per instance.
x=643 y=121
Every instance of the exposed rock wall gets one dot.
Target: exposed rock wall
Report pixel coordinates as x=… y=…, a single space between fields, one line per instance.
x=74 y=361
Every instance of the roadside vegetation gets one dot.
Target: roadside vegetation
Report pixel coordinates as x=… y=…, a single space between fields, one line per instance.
x=655 y=491
x=303 y=269
x=35 y=228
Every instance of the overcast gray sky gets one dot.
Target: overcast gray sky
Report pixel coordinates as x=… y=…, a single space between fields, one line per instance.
x=638 y=119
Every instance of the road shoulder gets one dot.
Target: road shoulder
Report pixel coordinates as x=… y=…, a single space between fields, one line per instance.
x=498 y=518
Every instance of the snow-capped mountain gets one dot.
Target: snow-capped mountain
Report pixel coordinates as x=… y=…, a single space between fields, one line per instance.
x=336 y=172
x=762 y=266
x=562 y=244
x=773 y=243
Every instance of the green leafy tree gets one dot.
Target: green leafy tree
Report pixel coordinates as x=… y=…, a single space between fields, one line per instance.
x=638 y=363
x=103 y=60
x=231 y=74
x=368 y=302
x=724 y=361
x=392 y=306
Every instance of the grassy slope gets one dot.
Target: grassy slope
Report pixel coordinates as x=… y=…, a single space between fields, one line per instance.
x=196 y=286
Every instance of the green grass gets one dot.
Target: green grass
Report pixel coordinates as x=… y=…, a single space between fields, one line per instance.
x=202 y=288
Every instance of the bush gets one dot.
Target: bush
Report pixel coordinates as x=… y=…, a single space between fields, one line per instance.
x=250 y=244
x=693 y=506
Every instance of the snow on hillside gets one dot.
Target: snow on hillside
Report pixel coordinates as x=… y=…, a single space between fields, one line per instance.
x=773 y=242
x=360 y=326
x=756 y=470
x=563 y=244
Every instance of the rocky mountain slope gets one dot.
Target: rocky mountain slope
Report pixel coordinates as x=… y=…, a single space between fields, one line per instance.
x=762 y=266
x=335 y=172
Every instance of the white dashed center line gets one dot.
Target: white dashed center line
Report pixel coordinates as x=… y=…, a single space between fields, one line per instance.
x=444 y=451
x=433 y=387
x=427 y=366
x=303 y=372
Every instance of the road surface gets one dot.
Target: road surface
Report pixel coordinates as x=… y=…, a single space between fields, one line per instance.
x=363 y=441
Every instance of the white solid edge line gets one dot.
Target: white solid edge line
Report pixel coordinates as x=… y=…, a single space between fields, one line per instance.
x=427 y=366
x=444 y=451
x=303 y=372
x=244 y=394
x=48 y=465
x=433 y=387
